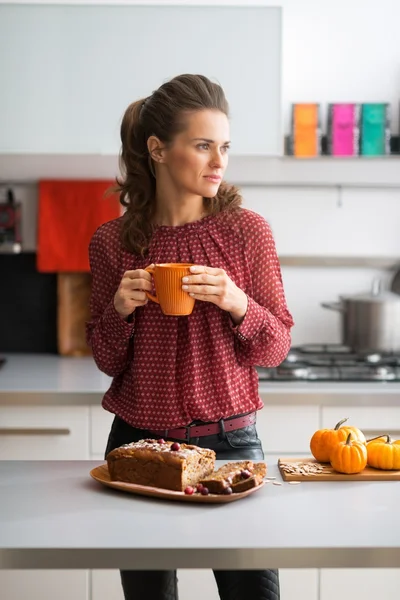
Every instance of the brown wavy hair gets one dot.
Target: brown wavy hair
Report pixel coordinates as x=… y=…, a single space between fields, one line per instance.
x=162 y=114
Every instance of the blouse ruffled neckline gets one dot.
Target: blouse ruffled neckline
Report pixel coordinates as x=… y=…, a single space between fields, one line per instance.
x=192 y=225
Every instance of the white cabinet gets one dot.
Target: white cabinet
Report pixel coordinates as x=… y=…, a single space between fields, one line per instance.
x=299 y=584
x=44 y=433
x=372 y=420
x=368 y=584
x=54 y=98
x=100 y=425
x=44 y=585
x=287 y=429
x=106 y=585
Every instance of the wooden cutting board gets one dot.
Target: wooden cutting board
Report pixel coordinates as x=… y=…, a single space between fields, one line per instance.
x=73 y=292
x=326 y=473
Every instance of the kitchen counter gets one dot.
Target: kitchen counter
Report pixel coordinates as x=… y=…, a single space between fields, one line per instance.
x=40 y=379
x=53 y=515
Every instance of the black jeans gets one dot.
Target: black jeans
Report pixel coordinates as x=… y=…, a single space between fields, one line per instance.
x=242 y=444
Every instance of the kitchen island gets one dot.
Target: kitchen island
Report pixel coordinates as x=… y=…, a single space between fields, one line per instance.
x=53 y=515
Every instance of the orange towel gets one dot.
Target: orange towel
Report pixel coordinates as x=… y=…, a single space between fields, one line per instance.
x=69 y=214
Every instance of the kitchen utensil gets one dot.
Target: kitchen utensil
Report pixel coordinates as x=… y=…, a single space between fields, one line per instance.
x=101 y=474
x=73 y=291
x=329 y=474
x=371 y=321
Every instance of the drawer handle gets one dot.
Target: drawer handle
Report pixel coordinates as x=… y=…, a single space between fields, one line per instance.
x=33 y=431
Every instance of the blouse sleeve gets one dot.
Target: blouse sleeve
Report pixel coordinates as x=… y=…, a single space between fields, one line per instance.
x=263 y=337
x=107 y=332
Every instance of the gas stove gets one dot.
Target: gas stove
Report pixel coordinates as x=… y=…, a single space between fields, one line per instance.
x=331 y=362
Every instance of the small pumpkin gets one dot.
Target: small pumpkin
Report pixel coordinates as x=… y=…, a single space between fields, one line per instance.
x=384 y=453
x=323 y=440
x=349 y=457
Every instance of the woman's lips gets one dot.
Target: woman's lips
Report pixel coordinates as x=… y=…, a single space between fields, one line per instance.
x=213 y=178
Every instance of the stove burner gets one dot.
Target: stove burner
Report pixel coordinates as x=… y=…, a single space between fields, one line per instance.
x=329 y=362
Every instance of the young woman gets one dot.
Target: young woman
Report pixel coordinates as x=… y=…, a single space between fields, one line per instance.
x=171 y=375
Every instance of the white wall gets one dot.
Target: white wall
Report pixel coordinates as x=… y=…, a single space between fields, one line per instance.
x=310 y=222
x=333 y=50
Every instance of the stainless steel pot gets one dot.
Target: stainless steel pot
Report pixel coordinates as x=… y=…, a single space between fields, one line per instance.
x=370 y=322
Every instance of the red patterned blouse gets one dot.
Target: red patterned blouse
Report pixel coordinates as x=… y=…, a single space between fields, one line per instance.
x=168 y=371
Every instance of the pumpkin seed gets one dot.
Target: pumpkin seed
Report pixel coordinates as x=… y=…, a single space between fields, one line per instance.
x=303 y=468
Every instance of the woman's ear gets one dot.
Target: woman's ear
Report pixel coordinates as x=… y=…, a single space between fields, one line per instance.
x=156 y=148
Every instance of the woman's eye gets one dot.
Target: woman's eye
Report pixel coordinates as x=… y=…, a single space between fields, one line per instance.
x=225 y=148
x=203 y=146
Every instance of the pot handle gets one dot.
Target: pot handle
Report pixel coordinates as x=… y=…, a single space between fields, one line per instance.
x=333 y=306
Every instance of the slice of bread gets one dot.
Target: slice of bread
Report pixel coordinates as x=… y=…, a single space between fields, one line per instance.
x=226 y=476
x=258 y=474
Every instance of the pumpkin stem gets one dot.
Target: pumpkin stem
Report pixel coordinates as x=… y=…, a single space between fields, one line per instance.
x=341 y=423
x=388 y=438
x=348 y=439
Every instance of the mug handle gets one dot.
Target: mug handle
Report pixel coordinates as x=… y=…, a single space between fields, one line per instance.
x=150 y=269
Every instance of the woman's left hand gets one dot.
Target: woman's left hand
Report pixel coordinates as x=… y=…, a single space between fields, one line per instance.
x=214 y=285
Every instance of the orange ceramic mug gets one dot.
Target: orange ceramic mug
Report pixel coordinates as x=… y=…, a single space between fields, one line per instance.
x=169 y=294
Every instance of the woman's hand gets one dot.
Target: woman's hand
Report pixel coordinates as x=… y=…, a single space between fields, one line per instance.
x=214 y=285
x=131 y=292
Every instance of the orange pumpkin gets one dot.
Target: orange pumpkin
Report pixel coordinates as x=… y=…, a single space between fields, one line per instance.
x=323 y=440
x=349 y=456
x=383 y=453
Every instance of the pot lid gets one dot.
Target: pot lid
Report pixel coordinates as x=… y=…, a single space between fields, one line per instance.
x=375 y=295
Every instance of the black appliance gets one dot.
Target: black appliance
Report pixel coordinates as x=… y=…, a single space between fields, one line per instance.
x=10 y=224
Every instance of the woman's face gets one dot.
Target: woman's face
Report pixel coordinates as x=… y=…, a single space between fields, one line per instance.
x=197 y=158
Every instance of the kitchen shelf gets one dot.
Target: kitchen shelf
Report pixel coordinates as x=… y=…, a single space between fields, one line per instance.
x=244 y=171
x=369 y=262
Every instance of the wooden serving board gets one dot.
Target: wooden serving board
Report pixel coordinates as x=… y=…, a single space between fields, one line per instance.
x=102 y=475
x=329 y=474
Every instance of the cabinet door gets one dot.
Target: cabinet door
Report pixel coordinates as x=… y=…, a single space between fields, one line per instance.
x=44 y=585
x=106 y=585
x=287 y=429
x=100 y=425
x=299 y=584
x=369 y=584
x=44 y=432
x=372 y=420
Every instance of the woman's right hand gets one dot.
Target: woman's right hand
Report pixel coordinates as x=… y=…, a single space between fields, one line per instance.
x=131 y=292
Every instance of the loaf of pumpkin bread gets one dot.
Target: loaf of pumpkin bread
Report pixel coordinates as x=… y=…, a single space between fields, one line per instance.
x=160 y=463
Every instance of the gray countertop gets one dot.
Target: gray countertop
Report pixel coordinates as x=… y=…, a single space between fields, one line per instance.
x=40 y=379
x=53 y=515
